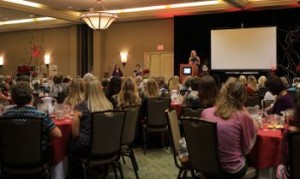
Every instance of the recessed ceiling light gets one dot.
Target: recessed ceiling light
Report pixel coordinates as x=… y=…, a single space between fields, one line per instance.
x=26 y=20
x=26 y=3
x=169 y=6
x=70 y=7
x=31 y=15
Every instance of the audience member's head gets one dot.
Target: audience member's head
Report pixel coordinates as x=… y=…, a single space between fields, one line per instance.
x=208 y=91
x=161 y=82
x=95 y=97
x=21 y=93
x=76 y=90
x=252 y=82
x=114 y=86
x=104 y=82
x=151 y=89
x=261 y=81
x=232 y=97
x=174 y=83
x=129 y=94
x=275 y=85
x=87 y=77
x=57 y=78
x=243 y=79
x=195 y=82
x=187 y=82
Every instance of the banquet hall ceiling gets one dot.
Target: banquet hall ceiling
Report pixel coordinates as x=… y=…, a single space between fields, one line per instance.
x=66 y=12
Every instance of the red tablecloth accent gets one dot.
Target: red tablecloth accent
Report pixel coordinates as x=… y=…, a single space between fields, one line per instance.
x=60 y=146
x=177 y=107
x=266 y=152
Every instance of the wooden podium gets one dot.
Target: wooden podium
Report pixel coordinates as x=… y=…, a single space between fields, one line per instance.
x=188 y=70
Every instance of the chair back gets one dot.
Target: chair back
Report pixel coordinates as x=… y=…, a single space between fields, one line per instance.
x=267 y=103
x=106 y=132
x=202 y=144
x=174 y=131
x=21 y=142
x=294 y=155
x=253 y=100
x=156 y=107
x=132 y=114
x=188 y=111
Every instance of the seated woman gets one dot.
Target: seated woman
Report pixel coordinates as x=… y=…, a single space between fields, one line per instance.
x=191 y=98
x=283 y=100
x=128 y=95
x=283 y=169
x=58 y=86
x=151 y=90
x=236 y=129
x=251 y=85
x=75 y=95
x=22 y=98
x=94 y=100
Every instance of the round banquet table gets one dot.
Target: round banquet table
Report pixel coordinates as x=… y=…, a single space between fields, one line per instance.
x=59 y=148
x=266 y=152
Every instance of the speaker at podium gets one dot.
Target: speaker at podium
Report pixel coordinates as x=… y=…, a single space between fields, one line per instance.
x=188 y=70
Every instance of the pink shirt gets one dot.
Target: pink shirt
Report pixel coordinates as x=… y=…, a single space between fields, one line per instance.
x=236 y=137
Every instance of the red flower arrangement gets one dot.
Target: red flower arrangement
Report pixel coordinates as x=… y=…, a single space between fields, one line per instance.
x=36 y=51
x=25 y=70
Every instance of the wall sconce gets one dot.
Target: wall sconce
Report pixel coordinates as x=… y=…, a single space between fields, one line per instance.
x=47 y=60
x=1 y=61
x=124 y=57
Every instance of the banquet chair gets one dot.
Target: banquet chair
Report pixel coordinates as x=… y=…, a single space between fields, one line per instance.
x=21 y=148
x=106 y=136
x=202 y=144
x=253 y=100
x=189 y=111
x=132 y=114
x=156 y=121
x=183 y=166
x=294 y=156
x=266 y=103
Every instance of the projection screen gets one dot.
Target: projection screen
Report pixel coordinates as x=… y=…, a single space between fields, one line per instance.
x=243 y=49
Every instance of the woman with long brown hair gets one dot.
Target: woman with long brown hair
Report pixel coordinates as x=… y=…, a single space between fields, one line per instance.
x=128 y=95
x=236 y=129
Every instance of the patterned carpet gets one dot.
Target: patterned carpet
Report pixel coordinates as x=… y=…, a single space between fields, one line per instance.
x=156 y=164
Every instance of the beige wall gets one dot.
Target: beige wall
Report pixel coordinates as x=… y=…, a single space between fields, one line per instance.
x=59 y=42
x=135 y=37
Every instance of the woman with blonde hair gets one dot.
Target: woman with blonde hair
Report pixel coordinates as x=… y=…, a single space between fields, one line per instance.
x=128 y=95
x=75 y=95
x=94 y=100
x=243 y=79
x=251 y=85
x=151 y=89
x=236 y=129
x=261 y=86
x=174 y=83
